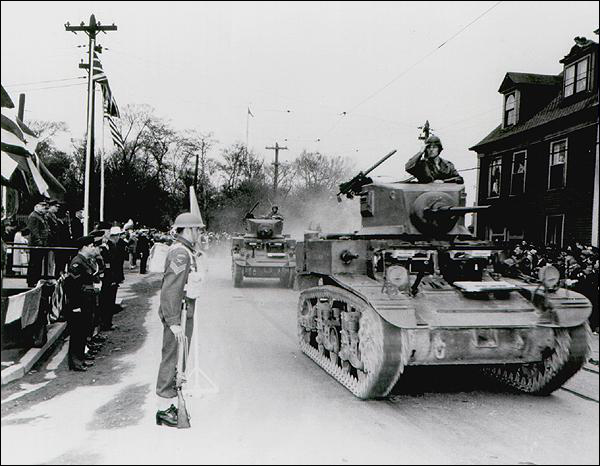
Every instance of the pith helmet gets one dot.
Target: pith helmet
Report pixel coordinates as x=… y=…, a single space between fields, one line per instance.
x=434 y=140
x=188 y=220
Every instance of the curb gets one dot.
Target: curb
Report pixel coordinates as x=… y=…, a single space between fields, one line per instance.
x=28 y=360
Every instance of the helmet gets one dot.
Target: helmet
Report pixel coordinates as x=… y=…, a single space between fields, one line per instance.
x=434 y=140
x=187 y=219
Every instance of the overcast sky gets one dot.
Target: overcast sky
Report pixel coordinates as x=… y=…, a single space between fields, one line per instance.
x=298 y=66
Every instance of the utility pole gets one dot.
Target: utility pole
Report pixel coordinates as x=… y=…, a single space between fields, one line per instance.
x=276 y=148
x=92 y=30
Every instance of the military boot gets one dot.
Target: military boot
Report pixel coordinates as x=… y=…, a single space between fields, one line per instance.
x=167 y=417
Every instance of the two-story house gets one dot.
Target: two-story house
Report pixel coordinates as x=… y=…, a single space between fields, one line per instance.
x=539 y=168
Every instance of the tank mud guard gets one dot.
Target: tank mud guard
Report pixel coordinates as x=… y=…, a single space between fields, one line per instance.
x=366 y=356
x=572 y=346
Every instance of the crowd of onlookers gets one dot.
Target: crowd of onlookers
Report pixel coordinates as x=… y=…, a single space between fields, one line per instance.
x=578 y=265
x=86 y=269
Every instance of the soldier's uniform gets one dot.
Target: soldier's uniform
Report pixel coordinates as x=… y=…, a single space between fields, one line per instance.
x=179 y=263
x=39 y=233
x=81 y=292
x=110 y=285
x=428 y=170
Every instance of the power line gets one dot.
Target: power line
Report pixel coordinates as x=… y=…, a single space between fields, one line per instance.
x=424 y=57
x=44 y=82
x=49 y=87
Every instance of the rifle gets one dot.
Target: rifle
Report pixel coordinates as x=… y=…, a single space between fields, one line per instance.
x=183 y=418
x=354 y=186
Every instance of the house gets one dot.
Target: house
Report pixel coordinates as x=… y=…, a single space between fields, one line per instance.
x=539 y=168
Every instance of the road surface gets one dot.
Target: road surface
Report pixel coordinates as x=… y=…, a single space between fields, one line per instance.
x=258 y=399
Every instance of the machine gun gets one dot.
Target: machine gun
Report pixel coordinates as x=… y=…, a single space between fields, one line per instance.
x=249 y=214
x=354 y=186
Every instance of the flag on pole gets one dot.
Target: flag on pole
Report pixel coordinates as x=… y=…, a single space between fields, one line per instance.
x=250 y=113
x=114 y=132
x=111 y=110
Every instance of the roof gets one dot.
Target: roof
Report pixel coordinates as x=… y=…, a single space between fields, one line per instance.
x=553 y=111
x=514 y=79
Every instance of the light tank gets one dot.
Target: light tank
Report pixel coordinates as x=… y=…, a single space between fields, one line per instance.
x=263 y=252
x=413 y=287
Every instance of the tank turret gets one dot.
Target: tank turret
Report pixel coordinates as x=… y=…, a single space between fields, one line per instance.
x=430 y=210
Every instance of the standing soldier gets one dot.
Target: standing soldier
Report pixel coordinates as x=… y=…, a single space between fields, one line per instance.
x=81 y=293
x=179 y=287
x=38 y=236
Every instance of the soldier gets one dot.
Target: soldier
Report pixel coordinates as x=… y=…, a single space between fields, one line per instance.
x=39 y=232
x=275 y=213
x=77 y=225
x=81 y=293
x=431 y=167
x=178 y=286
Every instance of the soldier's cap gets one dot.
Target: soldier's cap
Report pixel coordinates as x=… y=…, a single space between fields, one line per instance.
x=115 y=230
x=42 y=201
x=97 y=234
x=55 y=202
x=85 y=241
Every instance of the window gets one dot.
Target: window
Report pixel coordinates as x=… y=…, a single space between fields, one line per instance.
x=557 y=176
x=517 y=178
x=510 y=110
x=576 y=77
x=495 y=177
x=497 y=234
x=555 y=227
x=516 y=233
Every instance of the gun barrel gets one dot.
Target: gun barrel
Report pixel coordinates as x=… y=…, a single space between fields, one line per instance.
x=447 y=210
x=380 y=162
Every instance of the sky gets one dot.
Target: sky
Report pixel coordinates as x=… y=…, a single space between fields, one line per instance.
x=355 y=79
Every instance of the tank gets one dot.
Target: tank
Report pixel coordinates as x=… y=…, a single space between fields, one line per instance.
x=413 y=287
x=263 y=252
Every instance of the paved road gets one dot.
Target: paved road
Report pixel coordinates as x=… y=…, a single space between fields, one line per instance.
x=259 y=400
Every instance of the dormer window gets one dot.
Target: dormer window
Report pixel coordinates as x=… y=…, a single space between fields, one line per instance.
x=510 y=110
x=576 y=77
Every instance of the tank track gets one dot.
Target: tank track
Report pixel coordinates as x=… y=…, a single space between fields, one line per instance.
x=568 y=356
x=383 y=348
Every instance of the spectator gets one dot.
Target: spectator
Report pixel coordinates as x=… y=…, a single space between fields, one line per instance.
x=39 y=232
x=20 y=256
x=77 y=225
x=143 y=250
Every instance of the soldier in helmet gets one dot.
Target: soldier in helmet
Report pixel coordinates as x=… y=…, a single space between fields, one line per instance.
x=427 y=165
x=275 y=213
x=178 y=284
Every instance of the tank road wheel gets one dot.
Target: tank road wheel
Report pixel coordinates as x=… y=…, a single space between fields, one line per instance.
x=559 y=365
x=382 y=349
x=237 y=273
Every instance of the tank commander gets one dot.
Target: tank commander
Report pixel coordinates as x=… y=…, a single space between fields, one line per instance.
x=275 y=213
x=428 y=167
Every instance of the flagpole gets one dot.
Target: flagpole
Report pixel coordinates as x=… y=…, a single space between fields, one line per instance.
x=247 y=132
x=102 y=168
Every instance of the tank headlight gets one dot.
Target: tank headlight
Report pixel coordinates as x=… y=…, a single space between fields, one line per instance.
x=550 y=277
x=397 y=276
